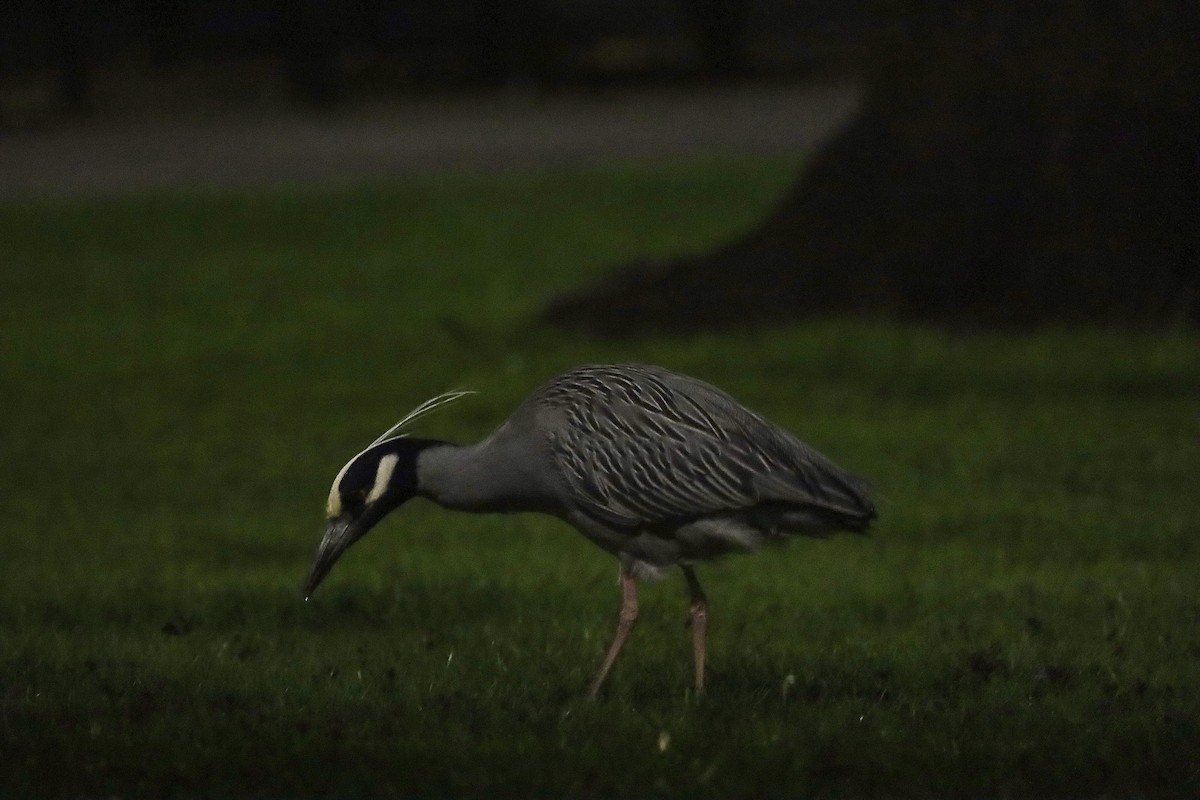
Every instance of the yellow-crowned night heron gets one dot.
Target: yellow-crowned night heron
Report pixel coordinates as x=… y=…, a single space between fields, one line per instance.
x=657 y=468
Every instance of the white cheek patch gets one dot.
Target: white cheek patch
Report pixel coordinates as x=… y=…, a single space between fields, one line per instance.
x=383 y=476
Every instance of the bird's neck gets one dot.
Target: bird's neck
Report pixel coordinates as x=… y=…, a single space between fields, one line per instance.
x=488 y=476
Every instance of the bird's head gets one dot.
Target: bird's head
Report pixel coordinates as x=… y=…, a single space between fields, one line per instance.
x=374 y=483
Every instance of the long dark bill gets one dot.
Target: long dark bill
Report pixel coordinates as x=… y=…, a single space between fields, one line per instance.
x=339 y=534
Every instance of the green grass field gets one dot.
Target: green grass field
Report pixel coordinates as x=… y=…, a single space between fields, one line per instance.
x=183 y=376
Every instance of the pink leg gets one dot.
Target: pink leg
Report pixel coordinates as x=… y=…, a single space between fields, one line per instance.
x=698 y=622
x=629 y=615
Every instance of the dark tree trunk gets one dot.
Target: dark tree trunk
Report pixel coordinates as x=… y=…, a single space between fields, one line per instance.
x=721 y=26
x=309 y=47
x=72 y=45
x=1014 y=163
x=510 y=42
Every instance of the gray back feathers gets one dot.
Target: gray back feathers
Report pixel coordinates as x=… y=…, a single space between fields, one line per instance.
x=642 y=447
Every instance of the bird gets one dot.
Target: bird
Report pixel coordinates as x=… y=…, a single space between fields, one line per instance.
x=657 y=468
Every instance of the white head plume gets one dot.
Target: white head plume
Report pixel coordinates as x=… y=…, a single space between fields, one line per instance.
x=429 y=406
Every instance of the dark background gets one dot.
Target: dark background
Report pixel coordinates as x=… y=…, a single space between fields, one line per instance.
x=1012 y=163
x=328 y=51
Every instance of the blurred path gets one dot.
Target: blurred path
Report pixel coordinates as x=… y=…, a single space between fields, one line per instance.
x=373 y=143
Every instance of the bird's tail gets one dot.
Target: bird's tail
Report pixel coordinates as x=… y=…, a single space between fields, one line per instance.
x=833 y=520
x=858 y=522
x=815 y=520
x=854 y=508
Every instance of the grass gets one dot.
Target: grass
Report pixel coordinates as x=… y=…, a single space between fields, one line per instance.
x=183 y=375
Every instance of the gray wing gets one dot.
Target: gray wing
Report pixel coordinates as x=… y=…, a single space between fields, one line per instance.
x=643 y=447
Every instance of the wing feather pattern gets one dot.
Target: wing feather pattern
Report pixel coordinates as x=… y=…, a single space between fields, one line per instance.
x=643 y=447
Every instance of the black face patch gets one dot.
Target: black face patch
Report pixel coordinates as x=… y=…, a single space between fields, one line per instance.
x=353 y=502
x=358 y=481
x=360 y=476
